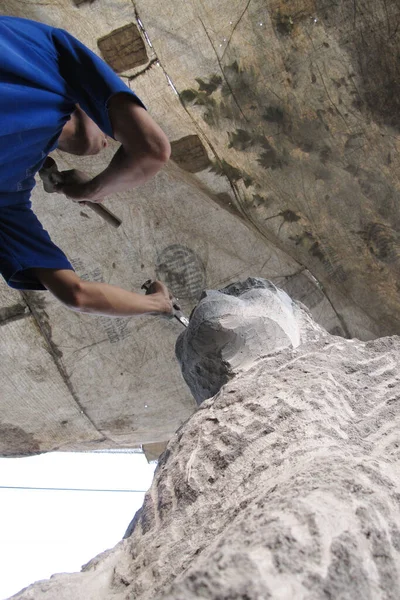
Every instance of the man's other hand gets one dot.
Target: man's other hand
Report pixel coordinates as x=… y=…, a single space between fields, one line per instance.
x=75 y=185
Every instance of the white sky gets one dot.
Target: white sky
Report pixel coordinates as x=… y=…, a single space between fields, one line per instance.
x=46 y=532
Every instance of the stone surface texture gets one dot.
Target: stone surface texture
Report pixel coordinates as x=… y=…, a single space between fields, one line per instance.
x=285 y=485
x=296 y=105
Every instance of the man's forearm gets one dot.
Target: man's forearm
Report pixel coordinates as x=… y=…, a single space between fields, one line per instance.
x=102 y=298
x=113 y=301
x=144 y=150
x=125 y=171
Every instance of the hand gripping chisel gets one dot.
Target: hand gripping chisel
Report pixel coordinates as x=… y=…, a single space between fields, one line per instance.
x=178 y=314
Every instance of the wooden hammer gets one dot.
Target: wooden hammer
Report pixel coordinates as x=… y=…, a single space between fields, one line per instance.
x=50 y=175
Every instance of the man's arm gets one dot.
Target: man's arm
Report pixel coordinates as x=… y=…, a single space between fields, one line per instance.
x=143 y=152
x=102 y=298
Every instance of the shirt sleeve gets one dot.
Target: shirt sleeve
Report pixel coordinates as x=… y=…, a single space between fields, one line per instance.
x=90 y=81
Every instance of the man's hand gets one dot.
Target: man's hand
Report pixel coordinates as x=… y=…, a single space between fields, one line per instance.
x=160 y=289
x=74 y=184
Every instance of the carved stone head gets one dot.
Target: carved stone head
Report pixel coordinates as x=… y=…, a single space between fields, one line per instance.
x=232 y=327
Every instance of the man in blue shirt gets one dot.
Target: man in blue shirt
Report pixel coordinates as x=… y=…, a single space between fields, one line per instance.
x=54 y=92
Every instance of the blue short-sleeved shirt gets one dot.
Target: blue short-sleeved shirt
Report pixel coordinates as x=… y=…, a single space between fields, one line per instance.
x=44 y=73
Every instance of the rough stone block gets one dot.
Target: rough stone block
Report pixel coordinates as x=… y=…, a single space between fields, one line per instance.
x=189 y=153
x=154 y=451
x=123 y=48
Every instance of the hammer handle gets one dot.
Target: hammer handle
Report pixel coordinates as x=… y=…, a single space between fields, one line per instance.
x=104 y=213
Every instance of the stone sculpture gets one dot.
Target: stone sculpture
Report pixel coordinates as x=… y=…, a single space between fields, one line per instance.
x=232 y=327
x=284 y=485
